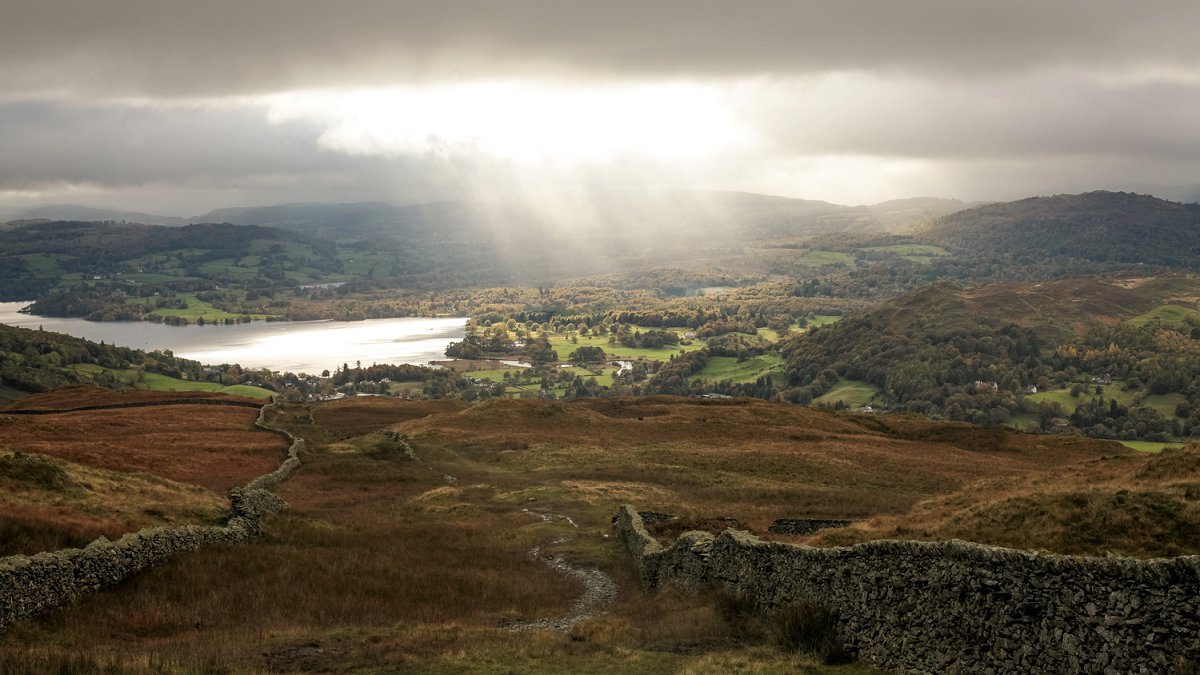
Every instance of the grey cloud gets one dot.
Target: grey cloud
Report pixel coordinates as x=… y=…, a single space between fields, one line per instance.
x=181 y=48
x=1057 y=115
x=179 y=158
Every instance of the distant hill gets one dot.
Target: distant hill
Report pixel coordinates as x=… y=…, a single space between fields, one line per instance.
x=622 y=215
x=36 y=257
x=1105 y=227
x=88 y=213
x=510 y=241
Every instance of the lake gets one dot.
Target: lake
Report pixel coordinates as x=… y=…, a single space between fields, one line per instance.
x=299 y=347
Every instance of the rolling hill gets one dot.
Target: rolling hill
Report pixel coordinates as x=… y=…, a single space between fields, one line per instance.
x=1105 y=227
x=1114 y=357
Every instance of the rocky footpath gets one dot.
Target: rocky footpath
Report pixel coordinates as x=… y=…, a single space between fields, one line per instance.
x=954 y=606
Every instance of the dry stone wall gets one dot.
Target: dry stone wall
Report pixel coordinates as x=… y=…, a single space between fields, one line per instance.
x=953 y=606
x=33 y=584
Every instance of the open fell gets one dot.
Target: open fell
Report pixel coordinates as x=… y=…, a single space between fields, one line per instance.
x=72 y=476
x=83 y=395
x=159 y=440
x=1147 y=506
x=420 y=561
x=746 y=459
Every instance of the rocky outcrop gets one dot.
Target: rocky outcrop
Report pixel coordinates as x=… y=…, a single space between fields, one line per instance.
x=33 y=584
x=955 y=606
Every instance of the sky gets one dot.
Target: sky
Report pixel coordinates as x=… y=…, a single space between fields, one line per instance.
x=181 y=107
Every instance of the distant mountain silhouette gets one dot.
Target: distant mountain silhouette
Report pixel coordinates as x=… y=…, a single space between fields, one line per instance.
x=76 y=212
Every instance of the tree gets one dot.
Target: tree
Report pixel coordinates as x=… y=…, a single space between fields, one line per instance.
x=588 y=355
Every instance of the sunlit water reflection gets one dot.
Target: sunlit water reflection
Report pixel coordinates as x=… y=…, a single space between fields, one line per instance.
x=307 y=346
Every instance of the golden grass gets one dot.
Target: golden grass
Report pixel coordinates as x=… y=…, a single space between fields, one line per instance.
x=1146 y=505
x=750 y=460
x=91 y=502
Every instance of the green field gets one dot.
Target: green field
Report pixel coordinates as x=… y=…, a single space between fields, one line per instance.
x=1163 y=403
x=157 y=382
x=1172 y=315
x=912 y=250
x=823 y=258
x=563 y=347
x=1149 y=446
x=605 y=378
x=721 y=368
x=824 y=319
x=196 y=309
x=854 y=393
x=149 y=277
x=496 y=375
x=43 y=264
x=228 y=270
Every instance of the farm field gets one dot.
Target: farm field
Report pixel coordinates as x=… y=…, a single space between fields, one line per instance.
x=914 y=252
x=1170 y=314
x=1150 y=446
x=823 y=258
x=1163 y=403
x=853 y=393
x=729 y=368
x=563 y=346
x=159 y=382
x=199 y=309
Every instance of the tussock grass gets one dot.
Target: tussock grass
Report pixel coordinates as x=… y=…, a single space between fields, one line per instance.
x=33 y=470
x=1142 y=505
x=47 y=504
x=810 y=628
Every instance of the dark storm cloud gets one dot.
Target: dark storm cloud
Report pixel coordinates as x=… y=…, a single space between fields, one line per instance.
x=200 y=150
x=172 y=47
x=170 y=104
x=119 y=145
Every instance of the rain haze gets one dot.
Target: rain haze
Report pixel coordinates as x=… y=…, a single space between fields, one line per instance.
x=181 y=107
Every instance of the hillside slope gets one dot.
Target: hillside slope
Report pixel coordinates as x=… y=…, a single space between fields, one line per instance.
x=1097 y=226
x=1115 y=357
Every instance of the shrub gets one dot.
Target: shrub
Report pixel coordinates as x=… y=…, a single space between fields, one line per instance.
x=810 y=628
x=34 y=470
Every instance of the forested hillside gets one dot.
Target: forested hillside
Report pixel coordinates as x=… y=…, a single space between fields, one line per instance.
x=1114 y=227
x=1117 y=358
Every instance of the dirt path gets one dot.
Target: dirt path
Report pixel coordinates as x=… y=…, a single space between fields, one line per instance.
x=599 y=588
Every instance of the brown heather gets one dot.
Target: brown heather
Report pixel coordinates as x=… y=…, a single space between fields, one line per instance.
x=387 y=564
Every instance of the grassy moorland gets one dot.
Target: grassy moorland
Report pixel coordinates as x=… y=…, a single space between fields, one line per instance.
x=1112 y=504
x=391 y=561
x=68 y=478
